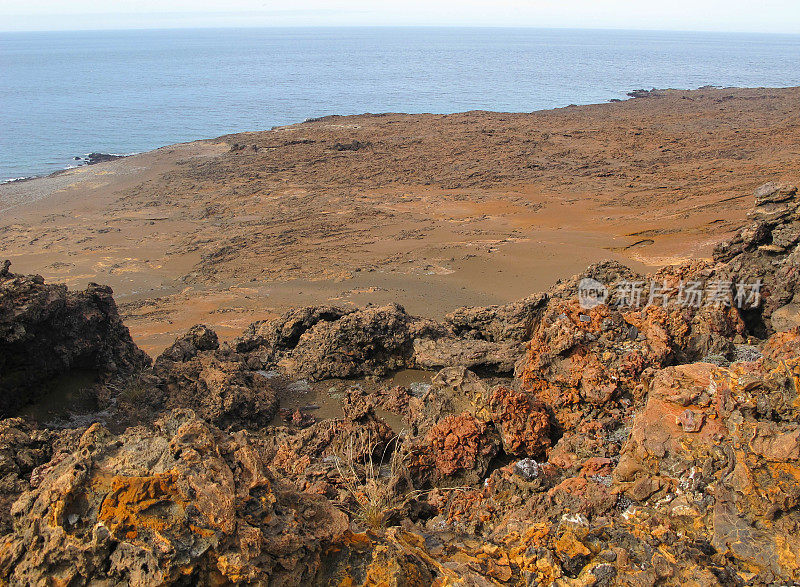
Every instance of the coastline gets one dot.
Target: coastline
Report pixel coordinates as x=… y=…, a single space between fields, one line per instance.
x=433 y=211
x=558 y=347
x=86 y=158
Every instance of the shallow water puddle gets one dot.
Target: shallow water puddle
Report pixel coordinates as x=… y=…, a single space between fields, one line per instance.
x=66 y=400
x=323 y=399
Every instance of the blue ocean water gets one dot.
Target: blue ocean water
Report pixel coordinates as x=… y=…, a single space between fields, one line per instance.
x=64 y=94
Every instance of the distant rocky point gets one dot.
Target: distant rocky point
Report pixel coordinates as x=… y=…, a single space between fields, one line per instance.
x=94 y=158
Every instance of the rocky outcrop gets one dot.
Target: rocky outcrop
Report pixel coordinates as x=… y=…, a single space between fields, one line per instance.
x=718 y=449
x=638 y=444
x=507 y=323
x=22 y=448
x=585 y=361
x=766 y=252
x=194 y=373
x=325 y=341
x=181 y=503
x=322 y=342
x=185 y=348
x=47 y=330
x=487 y=339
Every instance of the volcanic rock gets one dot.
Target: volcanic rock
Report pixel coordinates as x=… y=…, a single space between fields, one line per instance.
x=456 y=450
x=183 y=502
x=47 y=330
x=325 y=341
x=524 y=425
x=218 y=385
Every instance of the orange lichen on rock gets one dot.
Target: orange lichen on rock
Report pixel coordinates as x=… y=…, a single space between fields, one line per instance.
x=152 y=503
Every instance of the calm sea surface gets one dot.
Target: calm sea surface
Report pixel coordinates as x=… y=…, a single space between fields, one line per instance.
x=67 y=94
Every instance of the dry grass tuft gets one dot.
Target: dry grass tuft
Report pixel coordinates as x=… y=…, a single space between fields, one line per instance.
x=374 y=482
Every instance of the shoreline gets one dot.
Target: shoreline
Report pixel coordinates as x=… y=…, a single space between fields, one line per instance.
x=631 y=95
x=88 y=159
x=433 y=211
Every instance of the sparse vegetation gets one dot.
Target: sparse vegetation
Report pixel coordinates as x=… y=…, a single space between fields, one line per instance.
x=378 y=486
x=132 y=390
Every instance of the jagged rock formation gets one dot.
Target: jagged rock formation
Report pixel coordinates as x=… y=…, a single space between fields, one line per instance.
x=636 y=445
x=585 y=361
x=721 y=448
x=766 y=251
x=326 y=341
x=183 y=502
x=194 y=374
x=46 y=330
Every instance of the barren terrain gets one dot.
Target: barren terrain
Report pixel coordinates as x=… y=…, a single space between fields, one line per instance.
x=432 y=211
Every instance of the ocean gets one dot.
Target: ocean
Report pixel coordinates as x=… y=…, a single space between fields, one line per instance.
x=65 y=94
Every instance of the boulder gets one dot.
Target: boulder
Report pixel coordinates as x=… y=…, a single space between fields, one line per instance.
x=505 y=323
x=218 y=385
x=47 y=330
x=523 y=424
x=457 y=451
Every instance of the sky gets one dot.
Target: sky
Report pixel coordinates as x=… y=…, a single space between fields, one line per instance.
x=765 y=16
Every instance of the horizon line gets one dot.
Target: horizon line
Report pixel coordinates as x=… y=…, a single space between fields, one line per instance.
x=395 y=26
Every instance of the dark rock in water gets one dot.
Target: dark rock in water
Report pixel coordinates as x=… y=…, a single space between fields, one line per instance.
x=47 y=330
x=93 y=158
x=297 y=417
x=641 y=93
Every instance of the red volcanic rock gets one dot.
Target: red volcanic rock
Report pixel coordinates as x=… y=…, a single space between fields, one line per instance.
x=783 y=345
x=461 y=447
x=582 y=359
x=524 y=424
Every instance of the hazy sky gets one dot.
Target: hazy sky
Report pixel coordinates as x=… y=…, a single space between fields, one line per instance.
x=779 y=16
